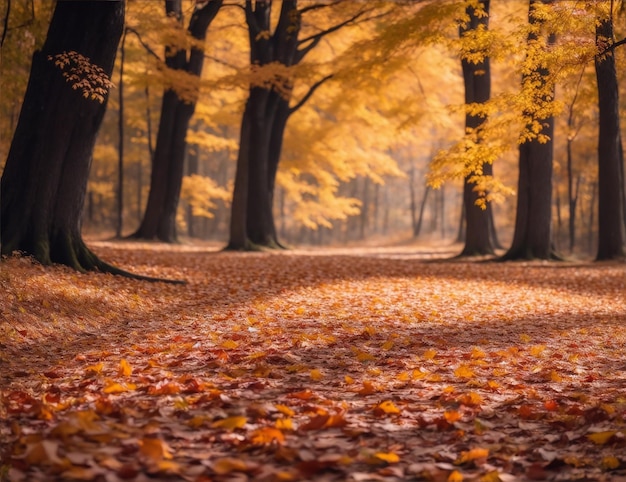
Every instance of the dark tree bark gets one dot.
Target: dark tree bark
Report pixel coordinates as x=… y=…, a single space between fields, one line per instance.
x=610 y=160
x=477 y=81
x=252 y=219
x=265 y=118
x=532 y=238
x=120 y=147
x=159 y=220
x=45 y=178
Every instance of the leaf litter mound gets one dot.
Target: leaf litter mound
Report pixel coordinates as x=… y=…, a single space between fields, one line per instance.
x=370 y=365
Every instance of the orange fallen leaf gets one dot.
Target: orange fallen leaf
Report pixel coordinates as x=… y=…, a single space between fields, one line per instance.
x=284 y=424
x=230 y=423
x=125 y=370
x=451 y=416
x=284 y=409
x=472 y=455
x=368 y=388
x=455 y=476
x=386 y=407
x=266 y=436
x=94 y=369
x=227 y=465
x=154 y=449
x=601 y=438
x=388 y=457
x=429 y=354
x=464 y=371
x=115 y=387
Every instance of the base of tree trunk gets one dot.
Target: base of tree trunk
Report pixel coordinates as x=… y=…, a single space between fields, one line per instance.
x=470 y=253
x=523 y=255
x=68 y=251
x=251 y=247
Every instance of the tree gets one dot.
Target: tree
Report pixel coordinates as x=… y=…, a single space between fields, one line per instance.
x=159 y=220
x=610 y=157
x=266 y=113
x=532 y=237
x=44 y=181
x=477 y=81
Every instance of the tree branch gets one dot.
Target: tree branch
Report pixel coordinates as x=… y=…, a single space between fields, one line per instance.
x=319 y=5
x=308 y=95
x=612 y=47
x=6 y=23
x=144 y=45
x=316 y=38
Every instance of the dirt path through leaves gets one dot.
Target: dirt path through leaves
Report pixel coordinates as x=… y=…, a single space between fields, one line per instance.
x=326 y=366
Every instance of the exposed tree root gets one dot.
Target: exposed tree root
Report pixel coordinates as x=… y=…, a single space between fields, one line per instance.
x=73 y=252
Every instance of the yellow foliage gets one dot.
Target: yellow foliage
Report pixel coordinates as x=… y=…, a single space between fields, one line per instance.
x=200 y=192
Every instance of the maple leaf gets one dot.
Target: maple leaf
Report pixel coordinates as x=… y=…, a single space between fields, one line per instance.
x=266 y=436
x=115 y=387
x=388 y=457
x=230 y=423
x=386 y=407
x=125 y=369
x=154 y=449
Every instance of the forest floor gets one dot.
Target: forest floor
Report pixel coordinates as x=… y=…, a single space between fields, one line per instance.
x=345 y=365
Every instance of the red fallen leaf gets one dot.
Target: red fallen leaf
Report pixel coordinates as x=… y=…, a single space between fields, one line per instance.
x=221 y=356
x=316 y=423
x=54 y=373
x=309 y=468
x=526 y=412
x=442 y=424
x=536 y=472
x=193 y=385
x=52 y=397
x=127 y=472
x=595 y=415
x=337 y=420
x=165 y=387
x=303 y=395
x=551 y=405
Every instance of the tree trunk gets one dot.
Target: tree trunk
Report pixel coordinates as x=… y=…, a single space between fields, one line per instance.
x=418 y=226
x=263 y=126
x=159 y=221
x=45 y=179
x=262 y=130
x=120 y=147
x=532 y=238
x=477 y=81
x=610 y=163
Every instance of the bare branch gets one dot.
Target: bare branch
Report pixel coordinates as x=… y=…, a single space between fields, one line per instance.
x=318 y=6
x=143 y=44
x=308 y=95
x=222 y=62
x=315 y=39
x=6 y=23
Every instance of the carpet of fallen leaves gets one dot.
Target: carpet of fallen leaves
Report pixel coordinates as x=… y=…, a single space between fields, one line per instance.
x=353 y=365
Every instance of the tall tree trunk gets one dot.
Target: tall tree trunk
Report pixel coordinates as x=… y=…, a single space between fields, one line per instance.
x=532 y=238
x=477 y=81
x=418 y=226
x=159 y=221
x=610 y=162
x=192 y=168
x=263 y=128
x=120 y=148
x=44 y=182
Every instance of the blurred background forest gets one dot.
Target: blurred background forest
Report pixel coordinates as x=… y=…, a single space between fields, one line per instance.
x=368 y=157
